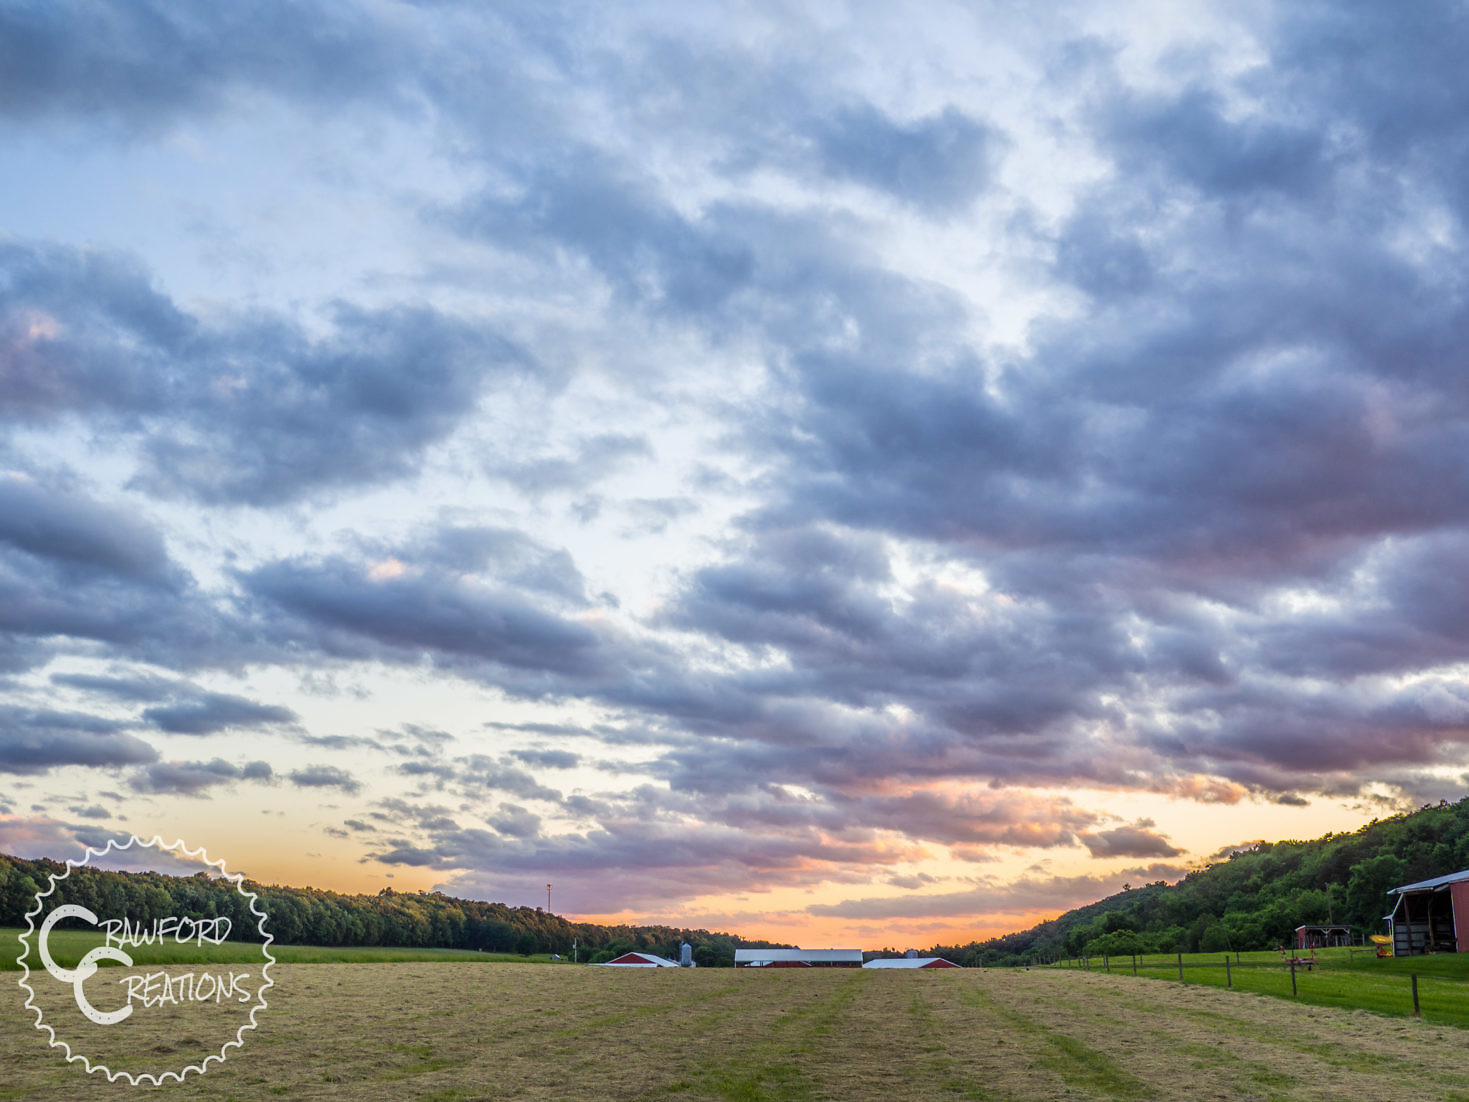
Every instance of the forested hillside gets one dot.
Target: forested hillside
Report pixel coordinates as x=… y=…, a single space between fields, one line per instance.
x=1255 y=898
x=308 y=916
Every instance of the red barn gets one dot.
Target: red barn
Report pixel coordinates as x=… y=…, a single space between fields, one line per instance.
x=1431 y=916
x=798 y=958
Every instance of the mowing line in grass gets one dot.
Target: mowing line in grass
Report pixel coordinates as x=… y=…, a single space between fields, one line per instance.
x=772 y=1070
x=943 y=1068
x=647 y=1011
x=1080 y=1066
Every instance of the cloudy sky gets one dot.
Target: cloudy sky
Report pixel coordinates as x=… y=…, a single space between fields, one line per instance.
x=817 y=470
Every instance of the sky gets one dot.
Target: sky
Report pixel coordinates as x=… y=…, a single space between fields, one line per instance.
x=823 y=471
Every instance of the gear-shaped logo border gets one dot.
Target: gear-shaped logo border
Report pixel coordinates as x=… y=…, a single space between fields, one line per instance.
x=178 y=847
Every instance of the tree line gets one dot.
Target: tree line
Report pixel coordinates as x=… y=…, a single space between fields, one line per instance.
x=1253 y=899
x=312 y=916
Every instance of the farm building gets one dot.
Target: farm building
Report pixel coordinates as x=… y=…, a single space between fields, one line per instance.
x=1431 y=916
x=798 y=958
x=911 y=962
x=1323 y=937
x=639 y=960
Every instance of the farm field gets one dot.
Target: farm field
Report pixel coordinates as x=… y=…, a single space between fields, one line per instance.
x=458 y=1031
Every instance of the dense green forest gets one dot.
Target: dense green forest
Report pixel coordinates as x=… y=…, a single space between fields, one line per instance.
x=308 y=916
x=1252 y=900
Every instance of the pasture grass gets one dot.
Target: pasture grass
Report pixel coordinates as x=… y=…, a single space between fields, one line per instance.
x=68 y=946
x=458 y=1032
x=1339 y=978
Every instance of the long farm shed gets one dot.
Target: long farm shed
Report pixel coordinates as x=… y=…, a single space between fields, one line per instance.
x=798 y=958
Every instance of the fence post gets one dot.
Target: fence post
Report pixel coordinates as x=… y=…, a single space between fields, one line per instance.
x=1293 y=977
x=1228 y=976
x=1107 y=963
x=1134 y=964
x=1180 y=967
x=1416 y=1012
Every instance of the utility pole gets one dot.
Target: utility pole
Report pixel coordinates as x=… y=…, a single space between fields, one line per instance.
x=548 y=898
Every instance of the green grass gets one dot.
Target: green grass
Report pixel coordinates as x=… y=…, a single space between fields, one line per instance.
x=69 y=946
x=1081 y=1067
x=1352 y=981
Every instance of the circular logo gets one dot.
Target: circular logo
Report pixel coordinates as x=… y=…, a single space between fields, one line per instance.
x=177 y=994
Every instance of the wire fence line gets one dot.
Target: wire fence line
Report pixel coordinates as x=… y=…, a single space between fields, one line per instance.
x=1437 y=991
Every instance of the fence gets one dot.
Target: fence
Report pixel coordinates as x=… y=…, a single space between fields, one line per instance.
x=1436 y=989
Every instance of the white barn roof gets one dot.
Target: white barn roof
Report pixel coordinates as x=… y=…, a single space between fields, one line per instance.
x=1436 y=882
x=639 y=960
x=809 y=956
x=910 y=962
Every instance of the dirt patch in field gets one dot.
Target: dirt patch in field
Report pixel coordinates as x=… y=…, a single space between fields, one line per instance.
x=459 y=1032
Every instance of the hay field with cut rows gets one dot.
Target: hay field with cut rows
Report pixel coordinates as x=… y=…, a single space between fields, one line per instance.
x=463 y=1031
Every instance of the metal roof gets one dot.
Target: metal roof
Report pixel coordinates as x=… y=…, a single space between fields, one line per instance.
x=1431 y=885
x=645 y=960
x=905 y=962
x=743 y=956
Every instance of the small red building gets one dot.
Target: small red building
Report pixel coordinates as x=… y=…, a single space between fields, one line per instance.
x=1431 y=916
x=1327 y=936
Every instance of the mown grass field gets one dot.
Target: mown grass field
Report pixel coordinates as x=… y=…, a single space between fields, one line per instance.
x=1340 y=978
x=68 y=946
x=454 y=1032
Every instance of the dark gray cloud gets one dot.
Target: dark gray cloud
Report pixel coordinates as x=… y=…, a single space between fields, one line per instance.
x=246 y=410
x=504 y=555
x=324 y=776
x=144 y=687
x=1188 y=138
x=194 y=778
x=475 y=775
x=941 y=162
x=210 y=713
x=76 y=569
x=1020 y=897
x=1129 y=841
x=143 y=65
x=361 y=406
x=340 y=607
x=87 y=537
x=37 y=740
x=547 y=759
x=514 y=821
